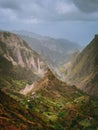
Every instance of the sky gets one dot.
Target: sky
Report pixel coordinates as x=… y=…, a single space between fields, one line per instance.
x=75 y=20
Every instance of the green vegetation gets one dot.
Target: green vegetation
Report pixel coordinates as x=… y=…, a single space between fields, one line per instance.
x=80 y=114
x=64 y=112
x=6 y=34
x=13 y=116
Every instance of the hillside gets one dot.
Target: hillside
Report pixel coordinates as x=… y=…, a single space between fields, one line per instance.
x=13 y=116
x=84 y=70
x=19 y=64
x=52 y=105
x=62 y=106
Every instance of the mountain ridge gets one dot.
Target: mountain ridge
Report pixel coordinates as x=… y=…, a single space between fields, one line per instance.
x=84 y=69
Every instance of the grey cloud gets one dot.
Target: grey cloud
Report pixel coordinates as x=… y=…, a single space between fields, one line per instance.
x=87 y=6
x=50 y=10
x=10 y=4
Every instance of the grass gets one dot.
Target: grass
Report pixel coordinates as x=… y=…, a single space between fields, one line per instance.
x=85 y=123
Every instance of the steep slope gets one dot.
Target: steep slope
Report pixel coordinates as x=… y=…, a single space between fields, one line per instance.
x=54 y=51
x=13 y=116
x=84 y=71
x=64 y=69
x=19 y=64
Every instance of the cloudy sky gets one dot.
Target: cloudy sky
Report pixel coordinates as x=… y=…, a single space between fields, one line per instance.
x=76 y=20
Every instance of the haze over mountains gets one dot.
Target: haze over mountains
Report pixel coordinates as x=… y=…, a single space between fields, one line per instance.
x=32 y=97
x=54 y=51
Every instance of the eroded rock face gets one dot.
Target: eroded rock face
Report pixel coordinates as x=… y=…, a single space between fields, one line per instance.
x=20 y=54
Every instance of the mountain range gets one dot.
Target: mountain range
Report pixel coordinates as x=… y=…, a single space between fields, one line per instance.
x=33 y=98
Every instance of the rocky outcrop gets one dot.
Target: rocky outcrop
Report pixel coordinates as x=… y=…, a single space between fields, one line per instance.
x=20 y=54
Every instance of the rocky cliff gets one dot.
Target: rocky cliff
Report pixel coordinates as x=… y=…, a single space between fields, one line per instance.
x=19 y=64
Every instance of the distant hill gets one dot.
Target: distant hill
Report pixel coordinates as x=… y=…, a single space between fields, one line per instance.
x=26 y=33
x=54 y=51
